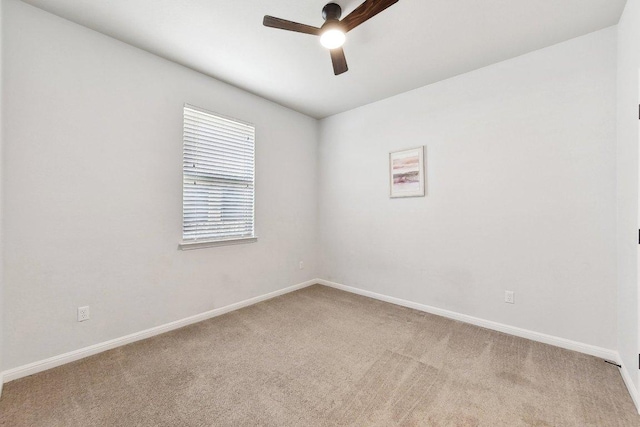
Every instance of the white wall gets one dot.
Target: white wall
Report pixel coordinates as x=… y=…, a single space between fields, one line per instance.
x=93 y=157
x=627 y=178
x=521 y=193
x=1 y=204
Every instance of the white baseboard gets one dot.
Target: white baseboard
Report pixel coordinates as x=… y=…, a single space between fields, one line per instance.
x=592 y=350
x=630 y=385
x=52 y=362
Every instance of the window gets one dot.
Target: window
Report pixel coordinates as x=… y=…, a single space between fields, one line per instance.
x=218 y=180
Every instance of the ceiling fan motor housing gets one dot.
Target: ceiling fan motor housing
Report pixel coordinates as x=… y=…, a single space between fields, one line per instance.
x=331 y=11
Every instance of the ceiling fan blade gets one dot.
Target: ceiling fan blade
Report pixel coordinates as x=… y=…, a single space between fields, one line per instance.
x=339 y=61
x=283 y=24
x=365 y=11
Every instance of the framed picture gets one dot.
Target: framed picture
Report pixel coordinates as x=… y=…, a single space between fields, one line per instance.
x=406 y=171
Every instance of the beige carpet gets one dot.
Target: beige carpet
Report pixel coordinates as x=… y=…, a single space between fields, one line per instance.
x=322 y=357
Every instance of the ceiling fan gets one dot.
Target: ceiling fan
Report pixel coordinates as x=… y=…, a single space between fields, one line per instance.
x=333 y=31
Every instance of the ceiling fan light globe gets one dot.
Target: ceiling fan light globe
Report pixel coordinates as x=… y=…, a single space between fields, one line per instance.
x=332 y=38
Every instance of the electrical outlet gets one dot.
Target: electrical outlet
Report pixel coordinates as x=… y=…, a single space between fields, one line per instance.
x=83 y=313
x=301 y=265
x=508 y=297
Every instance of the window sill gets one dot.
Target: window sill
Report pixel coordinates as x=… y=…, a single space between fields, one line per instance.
x=187 y=246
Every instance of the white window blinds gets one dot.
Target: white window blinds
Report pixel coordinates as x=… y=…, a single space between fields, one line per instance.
x=218 y=178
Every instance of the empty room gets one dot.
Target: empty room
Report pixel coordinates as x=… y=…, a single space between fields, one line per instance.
x=316 y=213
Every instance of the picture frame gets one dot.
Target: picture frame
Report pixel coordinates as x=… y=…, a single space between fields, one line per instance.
x=407 y=173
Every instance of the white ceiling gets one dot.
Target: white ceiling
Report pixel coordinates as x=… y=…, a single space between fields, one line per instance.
x=411 y=44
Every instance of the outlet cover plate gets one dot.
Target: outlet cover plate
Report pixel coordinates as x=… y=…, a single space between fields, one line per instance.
x=83 y=313
x=509 y=297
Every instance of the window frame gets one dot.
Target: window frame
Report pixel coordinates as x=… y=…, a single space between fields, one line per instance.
x=188 y=244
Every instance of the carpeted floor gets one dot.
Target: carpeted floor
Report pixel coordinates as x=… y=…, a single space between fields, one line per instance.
x=322 y=357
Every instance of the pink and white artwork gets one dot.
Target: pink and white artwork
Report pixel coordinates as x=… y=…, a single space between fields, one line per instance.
x=407 y=173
